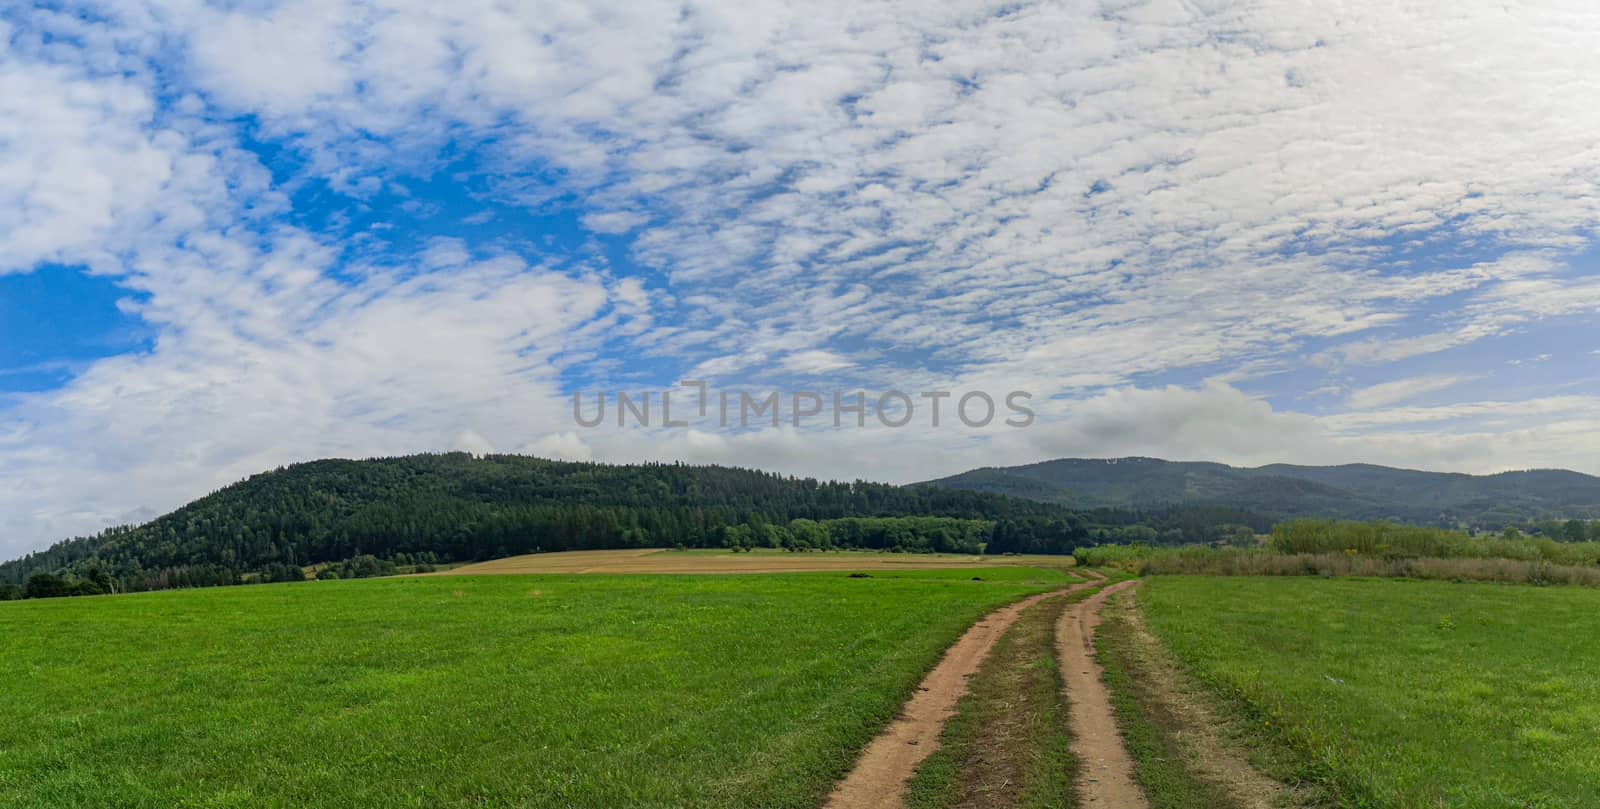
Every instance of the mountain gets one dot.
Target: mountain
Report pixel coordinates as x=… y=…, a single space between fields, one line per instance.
x=457 y=507
x=1352 y=491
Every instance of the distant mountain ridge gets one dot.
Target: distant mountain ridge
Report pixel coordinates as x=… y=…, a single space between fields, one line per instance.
x=1350 y=491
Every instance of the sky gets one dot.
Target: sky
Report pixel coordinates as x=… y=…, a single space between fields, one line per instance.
x=236 y=235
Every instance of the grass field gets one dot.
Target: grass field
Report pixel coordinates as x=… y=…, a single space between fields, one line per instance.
x=761 y=561
x=1404 y=693
x=457 y=691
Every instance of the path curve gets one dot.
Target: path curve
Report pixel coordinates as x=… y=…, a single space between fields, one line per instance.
x=879 y=777
x=1106 y=780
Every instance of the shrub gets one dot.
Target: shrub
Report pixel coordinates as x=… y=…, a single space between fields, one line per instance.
x=46 y=585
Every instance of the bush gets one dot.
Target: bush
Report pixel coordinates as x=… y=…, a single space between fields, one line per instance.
x=46 y=585
x=365 y=566
x=283 y=572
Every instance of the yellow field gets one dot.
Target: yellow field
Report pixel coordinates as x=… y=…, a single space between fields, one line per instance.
x=699 y=561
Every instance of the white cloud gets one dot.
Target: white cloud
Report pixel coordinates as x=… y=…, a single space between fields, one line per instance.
x=815 y=361
x=614 y=222
x=567 y=446
x=1400 y=390
x=277 y=59
x=1485 y=415
x=79 y=166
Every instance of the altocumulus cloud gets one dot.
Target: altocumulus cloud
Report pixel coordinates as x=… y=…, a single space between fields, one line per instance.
x=1241 y=231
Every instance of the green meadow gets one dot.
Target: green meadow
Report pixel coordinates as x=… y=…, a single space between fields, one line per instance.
x=494 y=691
x=1396 y=693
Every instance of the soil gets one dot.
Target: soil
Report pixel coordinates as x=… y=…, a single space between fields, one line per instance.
x=1105 y=779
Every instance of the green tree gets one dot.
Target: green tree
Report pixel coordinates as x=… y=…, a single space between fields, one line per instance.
x=280 y=572
x=46 y=585
x=808 y=534
x=101 y=580
x=1241 y=536
x=736 y=537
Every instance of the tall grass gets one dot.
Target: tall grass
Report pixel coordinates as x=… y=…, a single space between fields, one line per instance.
x=1326 y=548
x=1386 y=540
x=1228 y=562
x=1134 y=558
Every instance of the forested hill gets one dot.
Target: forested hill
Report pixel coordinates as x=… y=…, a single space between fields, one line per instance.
x=1353 y=491
x=456 y=507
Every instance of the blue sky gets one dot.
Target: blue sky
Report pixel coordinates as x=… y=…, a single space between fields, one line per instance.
x=55 y=321
x=236 y=235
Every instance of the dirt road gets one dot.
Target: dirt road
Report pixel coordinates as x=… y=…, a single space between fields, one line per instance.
x=1106 y=780
x=880 y=775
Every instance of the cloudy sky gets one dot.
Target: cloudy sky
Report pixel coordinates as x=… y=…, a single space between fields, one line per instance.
x=240 y=234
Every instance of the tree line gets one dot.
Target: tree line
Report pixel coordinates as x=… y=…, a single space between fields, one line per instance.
x=455 y=507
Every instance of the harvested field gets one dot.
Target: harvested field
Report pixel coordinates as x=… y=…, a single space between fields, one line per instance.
x=702 y=562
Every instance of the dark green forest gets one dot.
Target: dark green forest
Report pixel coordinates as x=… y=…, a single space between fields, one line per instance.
x=371 y=517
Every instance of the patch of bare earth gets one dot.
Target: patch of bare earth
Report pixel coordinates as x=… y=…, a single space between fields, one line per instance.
x=655 y=561
x=1185 y=713
x=1106 y=776
x=879 y=777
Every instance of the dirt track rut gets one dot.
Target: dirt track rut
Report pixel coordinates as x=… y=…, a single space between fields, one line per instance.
x=879 y=777
x=1106 y=779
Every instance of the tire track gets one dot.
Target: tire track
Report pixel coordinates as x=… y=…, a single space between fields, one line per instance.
x=1106 y=776
x=878 y=779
